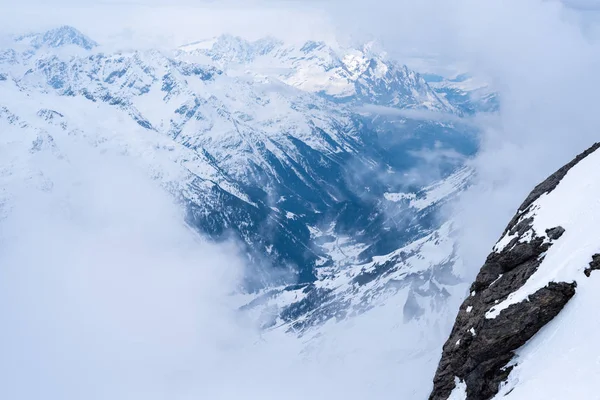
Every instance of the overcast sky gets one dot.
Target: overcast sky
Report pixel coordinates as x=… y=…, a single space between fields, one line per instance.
x=405 y=26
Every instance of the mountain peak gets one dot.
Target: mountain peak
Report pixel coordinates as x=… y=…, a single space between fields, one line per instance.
x=62 y=36
x=228 y=48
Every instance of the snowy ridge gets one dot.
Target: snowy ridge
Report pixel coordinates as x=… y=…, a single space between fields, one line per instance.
x=345 y=74
x=562 y=344
x=468 y=93
x=561 y=263
x=58 y=37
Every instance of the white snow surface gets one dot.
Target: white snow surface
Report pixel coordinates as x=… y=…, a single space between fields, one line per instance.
x=319 y=67
x=562 y=361
x=573 y=205
x=443 y=189
x=460 y=390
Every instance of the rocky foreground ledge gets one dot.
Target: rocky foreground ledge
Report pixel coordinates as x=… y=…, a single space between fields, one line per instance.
x=489 y=328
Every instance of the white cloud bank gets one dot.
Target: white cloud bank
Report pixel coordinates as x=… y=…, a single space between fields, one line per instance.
x=106 y=295
x=104 y=292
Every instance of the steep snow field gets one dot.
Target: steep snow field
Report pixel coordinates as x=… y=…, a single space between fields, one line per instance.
x=563 y=360
x=526 y=331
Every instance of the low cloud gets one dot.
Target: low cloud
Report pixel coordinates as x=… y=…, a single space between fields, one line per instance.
x=104 y=292
x=541 y=57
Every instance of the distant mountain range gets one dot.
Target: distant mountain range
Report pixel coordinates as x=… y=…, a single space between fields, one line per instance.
x=275 y=144
x=329 y=166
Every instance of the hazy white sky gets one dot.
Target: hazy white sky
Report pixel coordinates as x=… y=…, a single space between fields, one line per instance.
x=404 y=26
x=166 y=23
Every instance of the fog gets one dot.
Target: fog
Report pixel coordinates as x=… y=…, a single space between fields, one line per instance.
x=106 y=294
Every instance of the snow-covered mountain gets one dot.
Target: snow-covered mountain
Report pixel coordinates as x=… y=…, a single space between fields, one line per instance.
x=359 y=76
x=55 y=38
x=269 y=143
x=328 y=165
x=335 y=204
x=270 y=157
x=525 y=330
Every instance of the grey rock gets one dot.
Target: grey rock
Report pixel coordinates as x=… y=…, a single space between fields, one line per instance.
x=479 y=351
x=594 y=265
x=555 y=233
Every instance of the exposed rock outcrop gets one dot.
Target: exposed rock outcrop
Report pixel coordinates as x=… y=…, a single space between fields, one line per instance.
x=594 y=265
x=482 y=343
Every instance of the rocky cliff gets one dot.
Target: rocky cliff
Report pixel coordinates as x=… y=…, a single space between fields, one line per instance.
x=513 y=298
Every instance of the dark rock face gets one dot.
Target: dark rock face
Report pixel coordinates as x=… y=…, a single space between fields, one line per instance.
x=479 y=348
x=594 y=265
x=555 y=233
x=479 y=355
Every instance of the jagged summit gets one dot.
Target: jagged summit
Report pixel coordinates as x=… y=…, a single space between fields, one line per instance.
x=229 y=49
x=233 y=49
x=58 y=37
x=360 y=75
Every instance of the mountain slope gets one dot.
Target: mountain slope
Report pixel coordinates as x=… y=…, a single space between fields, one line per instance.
x=257 y=155
x=503 y=342
x=422 y=273
x=329 y=203
x=58 y=37
x=468 y=94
